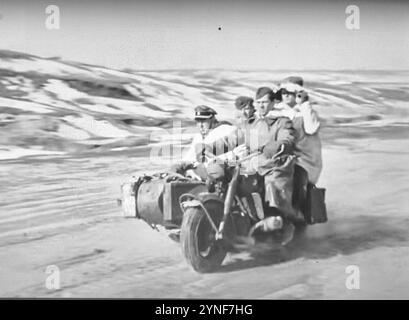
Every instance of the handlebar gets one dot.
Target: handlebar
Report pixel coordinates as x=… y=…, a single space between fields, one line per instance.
x=236 y=161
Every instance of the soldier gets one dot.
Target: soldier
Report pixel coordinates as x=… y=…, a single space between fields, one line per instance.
x=296 y=106
x=245 y=111
x=274 y=138
x=214 y=138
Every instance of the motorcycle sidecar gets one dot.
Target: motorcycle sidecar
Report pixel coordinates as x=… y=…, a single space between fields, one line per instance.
x=155 y=199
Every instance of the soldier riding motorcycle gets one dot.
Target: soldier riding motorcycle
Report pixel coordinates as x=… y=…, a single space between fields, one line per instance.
x=240 y=197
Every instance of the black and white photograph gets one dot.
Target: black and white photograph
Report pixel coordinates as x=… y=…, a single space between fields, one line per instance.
x=249 y=150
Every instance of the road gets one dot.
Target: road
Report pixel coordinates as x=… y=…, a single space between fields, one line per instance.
x=62 y=211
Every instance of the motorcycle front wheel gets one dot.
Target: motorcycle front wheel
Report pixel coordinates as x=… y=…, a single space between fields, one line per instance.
x=198 y=239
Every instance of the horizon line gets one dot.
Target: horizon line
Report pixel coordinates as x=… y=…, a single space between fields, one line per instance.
x=133 y=69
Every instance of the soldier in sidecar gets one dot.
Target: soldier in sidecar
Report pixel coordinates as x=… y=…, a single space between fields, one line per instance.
x=213 y=139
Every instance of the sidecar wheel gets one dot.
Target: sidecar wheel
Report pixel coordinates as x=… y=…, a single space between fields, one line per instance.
x=197 y=238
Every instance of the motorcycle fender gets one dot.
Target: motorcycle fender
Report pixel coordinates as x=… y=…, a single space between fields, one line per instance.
x=204 y=197
x=201 y=199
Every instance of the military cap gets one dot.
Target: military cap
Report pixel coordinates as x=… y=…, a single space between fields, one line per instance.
x=294 y=79
x=291 y=87
x=242 y=102
x=262 y=91
x=203 y=112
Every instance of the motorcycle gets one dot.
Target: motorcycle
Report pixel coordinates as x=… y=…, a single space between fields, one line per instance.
x=209 y=218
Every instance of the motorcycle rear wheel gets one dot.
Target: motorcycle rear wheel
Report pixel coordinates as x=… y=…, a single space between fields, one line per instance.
x=199 y=246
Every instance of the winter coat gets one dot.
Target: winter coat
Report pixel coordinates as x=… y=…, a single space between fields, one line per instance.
x=308 y=143
x=267 y=135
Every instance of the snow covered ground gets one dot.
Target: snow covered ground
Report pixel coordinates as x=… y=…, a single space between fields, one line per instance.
x=72 y=107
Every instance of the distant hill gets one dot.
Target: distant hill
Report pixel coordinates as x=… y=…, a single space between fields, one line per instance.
x=48 y=105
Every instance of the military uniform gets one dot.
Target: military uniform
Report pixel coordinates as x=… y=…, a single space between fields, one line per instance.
x=269 y=135
x=308 y=144
x=221 y=138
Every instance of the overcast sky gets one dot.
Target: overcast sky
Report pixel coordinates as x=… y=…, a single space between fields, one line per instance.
x=185 y=34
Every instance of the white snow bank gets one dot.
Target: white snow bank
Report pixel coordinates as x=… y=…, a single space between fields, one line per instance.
x=99 y=128
x=12 y=152
x=63 y=91
x=24 y=105
x=70 y=132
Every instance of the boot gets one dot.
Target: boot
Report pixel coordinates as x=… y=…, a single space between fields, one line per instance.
x=287 y=232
